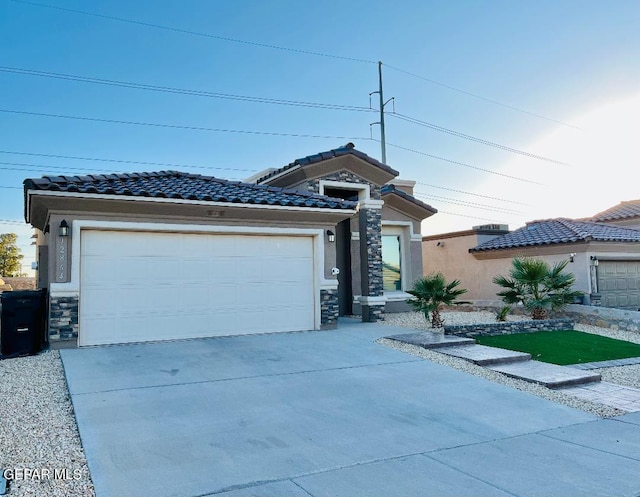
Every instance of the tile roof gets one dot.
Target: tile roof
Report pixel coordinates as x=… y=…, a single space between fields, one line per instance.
x=180 y=185
x=348 y=149
x=387 y=189
x=561 y=230
x=624 y=210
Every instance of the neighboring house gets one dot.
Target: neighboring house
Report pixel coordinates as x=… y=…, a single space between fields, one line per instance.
x=625 y=214
x=169 y=255
x=605 y=258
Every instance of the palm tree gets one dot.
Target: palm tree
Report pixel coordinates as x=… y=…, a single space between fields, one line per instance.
x=431 y=292
x=538 y=286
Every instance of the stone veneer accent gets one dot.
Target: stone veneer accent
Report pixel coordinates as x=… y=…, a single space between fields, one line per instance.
x=603 y=317
x=372 y=313
x=63 y=318
x=328 y=309
x=509 y=327
x=370 y=221
x=313 y=186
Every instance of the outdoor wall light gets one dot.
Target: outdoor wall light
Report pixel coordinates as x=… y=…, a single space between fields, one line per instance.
x=331 y=236
x=63 y=230
x=571 y=256
x=440 y=244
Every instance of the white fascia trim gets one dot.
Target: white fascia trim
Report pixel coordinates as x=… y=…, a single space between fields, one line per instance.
x=185 y=201
x=402 y=224
x=371 y=204
x=365 y=300
x=73 y=286
x=364 y=190
x=54 y=292
x=328 y=284
x=282 y=173
x=397 y=296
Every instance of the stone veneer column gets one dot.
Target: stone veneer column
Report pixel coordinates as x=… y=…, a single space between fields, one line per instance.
x=328 y=309
x=63 y=318
x=372 y=300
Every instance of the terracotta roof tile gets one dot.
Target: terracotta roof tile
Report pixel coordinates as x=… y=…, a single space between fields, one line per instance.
x=180 y=185
x=560 y=230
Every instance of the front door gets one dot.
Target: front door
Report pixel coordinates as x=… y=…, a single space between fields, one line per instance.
x=343 y=262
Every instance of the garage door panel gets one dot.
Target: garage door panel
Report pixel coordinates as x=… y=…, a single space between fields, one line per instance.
x=249 y=269
x=193 y=269
x=155 y=286
x=222 y=269
x=619 y=284
x=100 y=269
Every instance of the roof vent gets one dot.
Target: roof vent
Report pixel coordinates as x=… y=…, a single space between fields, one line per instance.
x=492 y=227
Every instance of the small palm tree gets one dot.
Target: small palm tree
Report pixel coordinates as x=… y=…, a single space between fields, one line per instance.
x=431 y=292
x=538 y=286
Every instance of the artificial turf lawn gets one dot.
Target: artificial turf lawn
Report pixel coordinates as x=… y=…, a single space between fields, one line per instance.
x=564 y=347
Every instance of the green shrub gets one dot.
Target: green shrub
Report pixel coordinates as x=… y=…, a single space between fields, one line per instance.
x=431 y=292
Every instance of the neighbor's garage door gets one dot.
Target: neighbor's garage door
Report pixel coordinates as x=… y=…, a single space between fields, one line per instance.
x=619 y=284
x=138 y=286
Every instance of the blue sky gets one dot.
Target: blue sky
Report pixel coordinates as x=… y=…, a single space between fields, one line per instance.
x=566 y=61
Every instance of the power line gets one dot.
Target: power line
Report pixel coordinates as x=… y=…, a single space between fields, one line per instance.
x=124 y=161
x=471 y=217
x=196 y=33
x=12 y=187
x=469 y=204
x=183 y=91
x=419 y=152
x=473 y=194
x=177 y=126
x=480 y=97
x=10 y=221
x=476 y=139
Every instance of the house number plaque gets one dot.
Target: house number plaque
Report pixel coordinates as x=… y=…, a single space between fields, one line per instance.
x=62 y=259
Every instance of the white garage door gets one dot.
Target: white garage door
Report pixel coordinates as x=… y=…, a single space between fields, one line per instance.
x=619 y=284
x=142 y=286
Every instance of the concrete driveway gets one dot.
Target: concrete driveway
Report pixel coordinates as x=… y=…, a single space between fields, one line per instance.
x=329 y=414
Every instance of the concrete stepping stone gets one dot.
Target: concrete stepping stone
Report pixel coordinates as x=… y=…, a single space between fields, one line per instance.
x=430 y=340
x=549 y=375
x=485 y=356
x=609 y=394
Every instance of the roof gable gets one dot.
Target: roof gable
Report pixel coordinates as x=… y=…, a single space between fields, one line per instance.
x=180 y=185
x=406 y=203
x=556 y=231
x=347 y=150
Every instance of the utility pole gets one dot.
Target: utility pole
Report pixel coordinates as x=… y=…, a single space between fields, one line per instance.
x=383 y=141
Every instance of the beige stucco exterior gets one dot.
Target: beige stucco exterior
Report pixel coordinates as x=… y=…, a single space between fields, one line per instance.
x=449 y=254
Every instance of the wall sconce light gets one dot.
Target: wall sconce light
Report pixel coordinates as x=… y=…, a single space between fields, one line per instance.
x=440 y=244
x=331 y=236
x=571 y=256
x=63 y=230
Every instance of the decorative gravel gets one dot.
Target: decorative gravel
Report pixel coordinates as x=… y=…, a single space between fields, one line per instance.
x=38 y=429
x=625 y=375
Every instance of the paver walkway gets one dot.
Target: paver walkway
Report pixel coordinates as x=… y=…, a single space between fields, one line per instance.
x=573 y=380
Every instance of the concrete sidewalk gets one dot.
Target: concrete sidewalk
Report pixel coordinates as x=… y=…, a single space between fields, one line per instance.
x=329 y=413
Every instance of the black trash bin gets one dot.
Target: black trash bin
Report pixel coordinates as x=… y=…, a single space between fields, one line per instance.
x=23 y=322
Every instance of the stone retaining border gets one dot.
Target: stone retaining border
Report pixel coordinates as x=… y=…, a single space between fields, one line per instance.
x=509 y=327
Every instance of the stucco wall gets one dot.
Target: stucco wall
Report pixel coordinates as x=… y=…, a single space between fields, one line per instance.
x=476 y=271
